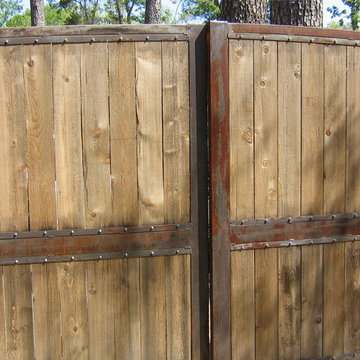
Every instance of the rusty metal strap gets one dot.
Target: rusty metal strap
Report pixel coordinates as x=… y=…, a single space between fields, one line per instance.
x=302 y=230
x=88 y=232
x=294 y=38
x=94 y=256
x=71 y=39
x=95 y=244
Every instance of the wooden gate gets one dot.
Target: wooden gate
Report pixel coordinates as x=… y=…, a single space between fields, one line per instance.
x=103 y=193
x=285 y=192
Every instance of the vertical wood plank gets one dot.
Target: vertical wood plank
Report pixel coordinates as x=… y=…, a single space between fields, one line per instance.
x=123 y=133
x=153 y=308
x=334 y=195
x=289 y=302
x=312 y=196
x=70 y=202
x=13 y=183
x=312 y=170
x=352 y=250
x=178 y=334
x=289 y=129
x=241 y=64
x=243 y=305
x=175 y=89
x=95 y=123
x=265 y=90
x=352 y=297
x=266 y=304
x=100 y=308
x=40 y=130
x=18 y=311
x=127 y=313
x=334 y=287
x=46 y=312
x=3 y=334
x=74 y=316
x=311 y=301
x=353 y=130
x=335 y=128
x=149 y=141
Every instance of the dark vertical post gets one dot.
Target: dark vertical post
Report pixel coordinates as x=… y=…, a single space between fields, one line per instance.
x=219 y=191
x=199 y=192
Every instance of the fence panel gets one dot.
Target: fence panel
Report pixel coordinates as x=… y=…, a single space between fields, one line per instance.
x=283 y=159
x=101 y=129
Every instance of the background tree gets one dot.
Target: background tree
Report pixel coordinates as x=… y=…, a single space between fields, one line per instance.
x=199 y=10
x=37 y=13
x=296 y=12
x=153 y=12
x=244 y=11
x=352 y=13
x=124 y=11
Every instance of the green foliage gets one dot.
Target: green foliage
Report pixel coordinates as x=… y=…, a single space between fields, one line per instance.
x=8 y=9
x=199 y=10
x=353 y=15
x=124 y=11
x=53 y=16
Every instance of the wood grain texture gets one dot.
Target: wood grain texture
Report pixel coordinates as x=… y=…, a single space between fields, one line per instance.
x=74 y=316
x=149 y=136
x=153 y=308
x=353 y=130
x=70 y=200
x=241 y=68
x=13 y=182
x=266 y=304
x=265 y=91
x=3 y=334
x=18 y=312
x=40 y=142
x=95 y=127
x=243 y=305
x=334 y=295
x=312 y=169
x=123 y=124
x=99 y=289
x=176 y=144
x=127 y=314
x=289 y=269
x=311 y=301
x=335 y=128
x=46 y=312
x=352 y=297
x=178 y=334
x=289 y=129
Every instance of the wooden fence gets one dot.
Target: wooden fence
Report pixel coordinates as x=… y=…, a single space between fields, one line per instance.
x=104 y=204
x=95 y=165
x=285 y=151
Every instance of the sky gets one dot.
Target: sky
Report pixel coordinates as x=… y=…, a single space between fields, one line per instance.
x=170 y=4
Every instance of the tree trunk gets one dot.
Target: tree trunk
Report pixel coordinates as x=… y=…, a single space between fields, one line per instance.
x=153 y=12
x=244 y=11
x=297 y=12
x=37 y=13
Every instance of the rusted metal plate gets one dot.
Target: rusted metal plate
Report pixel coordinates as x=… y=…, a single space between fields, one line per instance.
x=285 y=229
x=219 y=192
x=71 y=245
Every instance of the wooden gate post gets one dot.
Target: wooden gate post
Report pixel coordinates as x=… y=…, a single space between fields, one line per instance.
x=219 y=193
